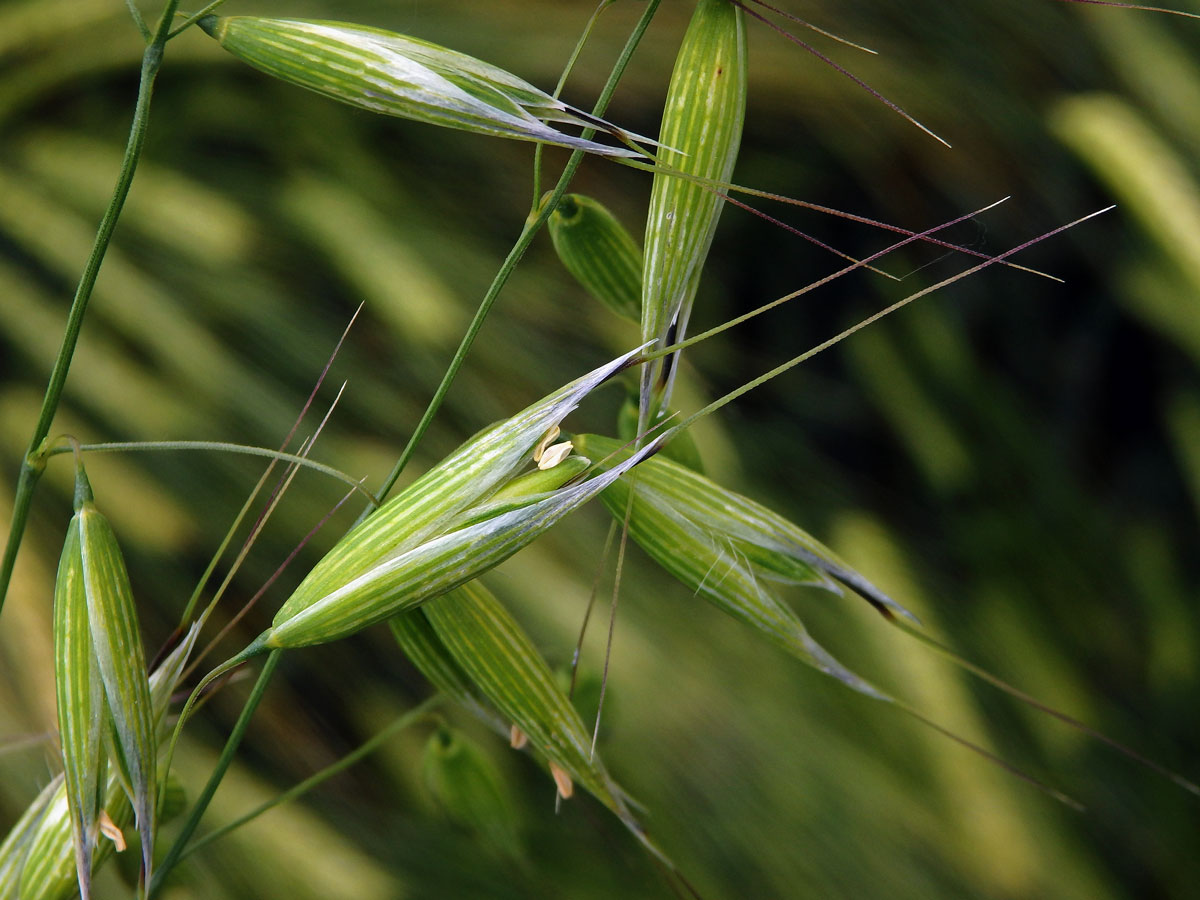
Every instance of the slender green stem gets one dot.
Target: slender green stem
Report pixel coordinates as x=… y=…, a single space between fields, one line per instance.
x=190 y=607
x=412 y=717
x=254 y=649
x=33 y=464
x=196 y=17
x=139 y=21
x=562 y=81
x=218 y=773
x=221 y=447
x=514 y=255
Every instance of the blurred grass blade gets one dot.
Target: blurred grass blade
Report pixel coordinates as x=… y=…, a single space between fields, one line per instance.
x=701 y=133
x=1138 y=6
x=399 y=76
x=1156 y=187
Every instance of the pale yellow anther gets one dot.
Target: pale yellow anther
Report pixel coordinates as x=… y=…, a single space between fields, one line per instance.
x=546 y=441
x=565 y=786
x=109 y=829
x=552 y=456
x=517 y=738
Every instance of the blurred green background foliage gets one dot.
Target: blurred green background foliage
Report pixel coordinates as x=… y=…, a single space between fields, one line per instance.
x=1015 y=459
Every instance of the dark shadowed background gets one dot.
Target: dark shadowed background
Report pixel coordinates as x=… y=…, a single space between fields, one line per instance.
x=1016 y=459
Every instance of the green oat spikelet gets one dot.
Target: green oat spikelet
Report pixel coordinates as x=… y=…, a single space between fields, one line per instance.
x=39 y=862
x=470 y=648
x=527 y=489
x=598 y=251
x=14 y=849
x=700 y=135
x=439 y=532
x=400 y=76
x=727 y=548
x=503 y=665
x=470 y=791
x=81 y=706
x=101 y=680
x=48 y=870
x=425 y=650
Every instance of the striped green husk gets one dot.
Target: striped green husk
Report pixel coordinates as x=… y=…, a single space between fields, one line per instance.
x=122 y=665
x=596 y=249
x=399 y=76
x=36 y=860
x=430 y=503
x=502 y=663
x=14 y=849
x=430 y=569
x=102 y=679
x=439 y=533
x=48 y=872
x=471 y=649
x=725 y=547
x=425 y=650
x=700 y=135
x=82 y=715
x=778 y=548
x=525 y=490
